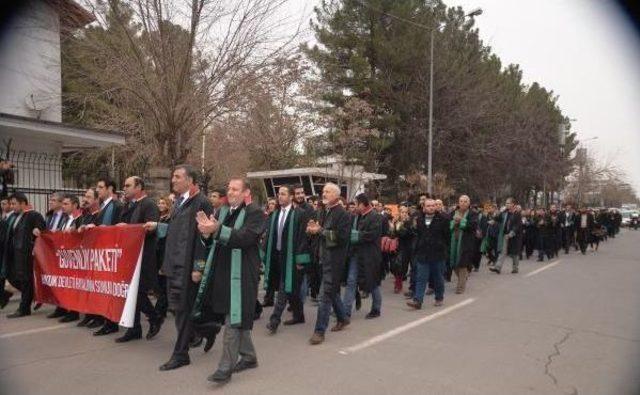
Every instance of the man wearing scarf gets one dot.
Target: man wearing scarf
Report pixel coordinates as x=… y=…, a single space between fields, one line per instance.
x=365 y=256
x=228 y=279
x=510 y=237
x=288 y=249
x=463 y=227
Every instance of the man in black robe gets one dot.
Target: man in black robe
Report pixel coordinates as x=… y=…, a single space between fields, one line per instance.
x=365 y=256
x=463 y=225
x=142 y=209
x=182 y=247
x=333 y=229
x=584 y=229
x=20 y=248
x=286 y=247
x=311 y=277
x=8 y=216
x=511 y=234
x=228 y=279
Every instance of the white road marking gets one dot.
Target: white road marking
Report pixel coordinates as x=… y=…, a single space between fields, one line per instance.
x=401 y=329
x=32 y=331
x=543 y=268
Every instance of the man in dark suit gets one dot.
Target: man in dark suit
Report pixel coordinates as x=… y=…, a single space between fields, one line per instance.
x=140 y=210
x=511 y=235
x=110 y=211
x=183 y=246
x=20 y=248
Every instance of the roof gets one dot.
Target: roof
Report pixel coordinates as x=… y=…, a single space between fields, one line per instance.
x=70 y=136
x=72 y=15
x=314 y=171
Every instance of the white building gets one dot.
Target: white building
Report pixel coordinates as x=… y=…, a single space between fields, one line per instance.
x=31 y=133
x=352 y=179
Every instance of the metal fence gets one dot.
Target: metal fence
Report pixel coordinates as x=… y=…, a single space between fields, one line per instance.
x=38 y=175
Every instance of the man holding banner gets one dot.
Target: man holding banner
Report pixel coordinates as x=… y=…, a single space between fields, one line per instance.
x=228 y=280
x=143 y=209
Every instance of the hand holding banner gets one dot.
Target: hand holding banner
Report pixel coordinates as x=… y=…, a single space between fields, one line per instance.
x=95 y=272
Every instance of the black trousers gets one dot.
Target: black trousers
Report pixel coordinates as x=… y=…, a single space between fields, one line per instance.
x=184 y=324
x=274 y=277
x=162 y=303
x=144 y=305
x=25 y=286
x=315 y=277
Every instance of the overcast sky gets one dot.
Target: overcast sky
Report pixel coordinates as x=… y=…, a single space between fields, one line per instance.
x=583 y=50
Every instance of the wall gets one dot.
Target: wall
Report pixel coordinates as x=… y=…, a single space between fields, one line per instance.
x=30 y=63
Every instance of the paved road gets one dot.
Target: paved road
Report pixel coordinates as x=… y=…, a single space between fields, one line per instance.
x=570 y=328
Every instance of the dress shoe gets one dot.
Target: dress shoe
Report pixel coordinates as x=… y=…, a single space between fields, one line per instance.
x=84 y=321
x=19 y=314
x=244 y=365
x=372 y=314
x=414 y=304
x=106 y=329
x=272 y=327
x=37 y=306
x=438 y=303
x=95 y=322
x=4 y=299
x=317 y=338
x=154 y=328
x=293 y=321
x=220 y=376
x=495 y=270
x=57 y=313
x=196 y=342
x=174 y=364
x=130 y=334
x=70 y=317
x=514 y=271
x=340 y=325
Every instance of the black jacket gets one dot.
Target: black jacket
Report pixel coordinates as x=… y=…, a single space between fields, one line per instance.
x=432 y=242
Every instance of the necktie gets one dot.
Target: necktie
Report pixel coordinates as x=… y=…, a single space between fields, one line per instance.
x=178 y=202
x=283 y=217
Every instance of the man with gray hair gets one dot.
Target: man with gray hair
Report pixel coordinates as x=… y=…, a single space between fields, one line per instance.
x=332 y=229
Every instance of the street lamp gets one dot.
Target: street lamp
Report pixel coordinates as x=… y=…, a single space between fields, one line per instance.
x=474 y=13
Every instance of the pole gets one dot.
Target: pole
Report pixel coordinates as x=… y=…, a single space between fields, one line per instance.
x=430 y=149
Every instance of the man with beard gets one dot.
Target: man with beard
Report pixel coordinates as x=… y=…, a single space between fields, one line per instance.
x=182 y=247
x=364 y=257
x=332 y=227
x=142 y=209
x=228 y=280
x=311 y=280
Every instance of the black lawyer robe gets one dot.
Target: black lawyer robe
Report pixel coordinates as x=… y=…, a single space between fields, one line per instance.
x=20 y=245
x=218 y=297
x=140 y=212
x=333 y=246
x=183 y=246
x=365 y=247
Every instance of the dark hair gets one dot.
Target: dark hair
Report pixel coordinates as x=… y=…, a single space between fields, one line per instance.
x=108 y=182
x=362 y=199
x=288 y=187
x=73 y=198
x=138 y=181
x=189 y=171
x=245 y=182
x=297 y=186
x=513 y=200
x=220 y=191
x=20 y=197
x=95 y=192
x=58 y=196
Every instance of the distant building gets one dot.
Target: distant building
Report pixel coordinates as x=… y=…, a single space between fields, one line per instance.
x=352 y=179
x=32 y=135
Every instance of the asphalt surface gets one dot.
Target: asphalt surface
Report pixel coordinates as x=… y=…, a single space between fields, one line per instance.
x=566 y=326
